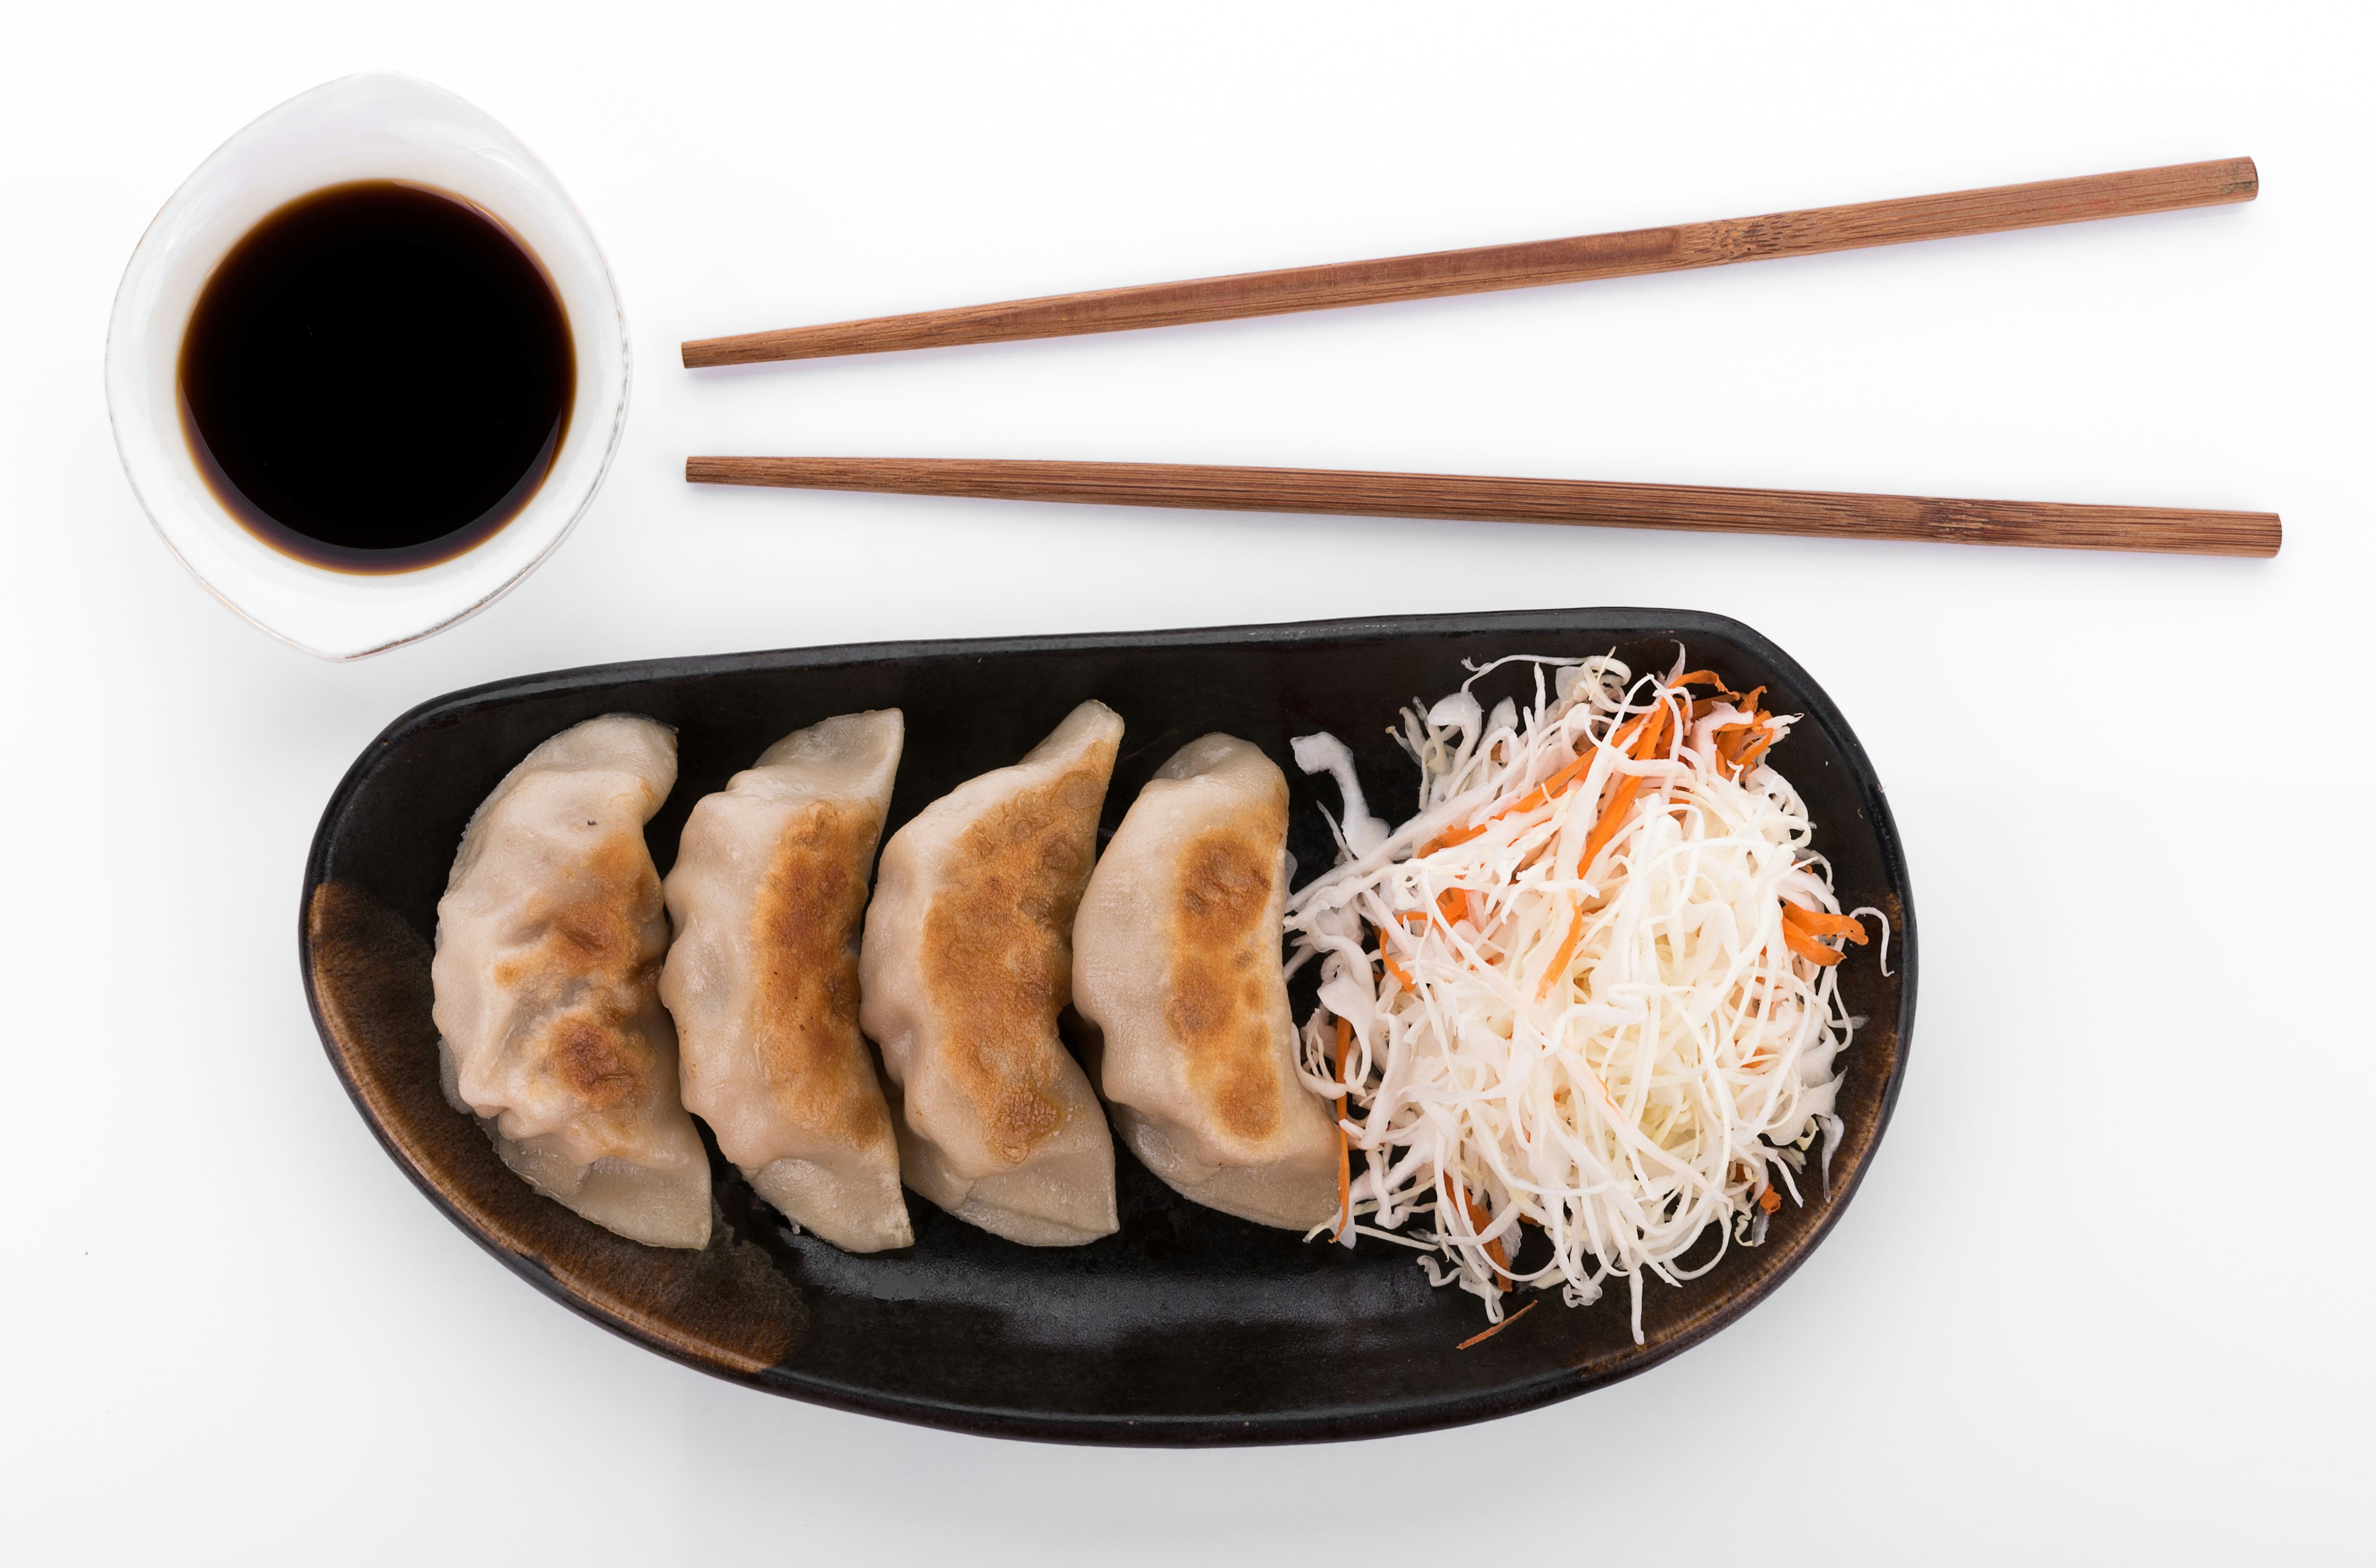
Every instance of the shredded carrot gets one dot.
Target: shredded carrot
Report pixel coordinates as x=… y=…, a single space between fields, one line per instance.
x=1620 y=798
x=1477 y=1219
x=1559 y=958
x=1548 y=790
x=1557 y=784
x=1631 y=728
x=1814 y=922
x=1769 y=1200
x=1450 y=837
x=1403 y=975
x=1344 y=1144
x=1741 y=746
x=1699 y=678
x=1480 y=1339
x=1452 y=905
x=1808 y=947
x=1654 y=736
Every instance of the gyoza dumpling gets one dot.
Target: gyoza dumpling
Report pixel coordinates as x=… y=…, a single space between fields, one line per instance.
x=547 y=977
x=768 y=892
x=1176 y=960
x=968 y=961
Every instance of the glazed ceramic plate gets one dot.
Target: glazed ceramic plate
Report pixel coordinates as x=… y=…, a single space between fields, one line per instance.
x=1187 y=1326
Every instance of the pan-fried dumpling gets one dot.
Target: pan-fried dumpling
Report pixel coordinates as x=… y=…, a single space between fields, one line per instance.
x=550 y=939
x=767 y=894
x=1176 y=960
x=967 y=963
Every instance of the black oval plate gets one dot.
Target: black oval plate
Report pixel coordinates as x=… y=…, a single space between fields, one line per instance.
x=1187 y=1326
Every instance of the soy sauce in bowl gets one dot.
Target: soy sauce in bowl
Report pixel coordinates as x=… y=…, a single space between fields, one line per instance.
x=376 y=377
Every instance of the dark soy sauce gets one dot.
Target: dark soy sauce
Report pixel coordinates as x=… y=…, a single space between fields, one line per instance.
x=377 y=377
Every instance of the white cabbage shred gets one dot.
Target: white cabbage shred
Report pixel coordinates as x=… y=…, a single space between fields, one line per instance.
x=1624 y=1055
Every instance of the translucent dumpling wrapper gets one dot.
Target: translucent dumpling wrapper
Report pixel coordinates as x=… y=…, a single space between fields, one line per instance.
x=967 y=965
x=1176 y=961
x=550 y=941
x=768 y=894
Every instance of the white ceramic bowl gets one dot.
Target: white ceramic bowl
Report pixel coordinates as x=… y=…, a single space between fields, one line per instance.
x=364 y=127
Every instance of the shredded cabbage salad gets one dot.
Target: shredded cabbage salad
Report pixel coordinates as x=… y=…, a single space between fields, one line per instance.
x=1587 y=990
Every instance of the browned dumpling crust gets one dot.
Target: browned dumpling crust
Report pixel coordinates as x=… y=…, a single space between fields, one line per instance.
x=768 y=892
x=550 y=941
x=580 y=987
x=1176 y=961
x=804 y=926
x=1223 y=935
x=967 y=964
x=998 y=956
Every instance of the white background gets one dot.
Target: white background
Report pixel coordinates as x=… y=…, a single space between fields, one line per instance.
x=2106 y=1289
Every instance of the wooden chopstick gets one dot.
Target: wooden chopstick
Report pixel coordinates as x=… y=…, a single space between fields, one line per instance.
x=1814 y=513
x=1674 y=249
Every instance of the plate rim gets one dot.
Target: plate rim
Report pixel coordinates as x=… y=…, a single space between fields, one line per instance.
x=1309 y=1425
